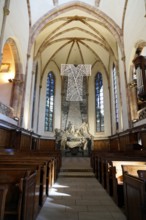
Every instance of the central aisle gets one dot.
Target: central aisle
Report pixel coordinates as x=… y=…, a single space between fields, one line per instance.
x=77 y=195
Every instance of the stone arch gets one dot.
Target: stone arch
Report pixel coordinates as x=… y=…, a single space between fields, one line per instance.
x=17 y=81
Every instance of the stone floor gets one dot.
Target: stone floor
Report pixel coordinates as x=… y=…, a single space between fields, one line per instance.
x=77 y=195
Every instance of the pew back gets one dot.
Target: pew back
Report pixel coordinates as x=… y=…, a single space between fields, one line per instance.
x=135 y=197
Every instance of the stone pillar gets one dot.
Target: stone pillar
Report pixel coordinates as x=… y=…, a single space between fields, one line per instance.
x=17 y=94
x=127 y=93
x=40 y=88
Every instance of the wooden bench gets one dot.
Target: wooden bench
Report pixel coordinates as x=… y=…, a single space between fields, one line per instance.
x=21 y=191
x=27 y=166
x=54 y=156
x=106 y=162
x=95 y=161
x=114 y=176
x=47 y=168
x=99 y=162
x=41 y=166
x=135 y=197
x=3 y=193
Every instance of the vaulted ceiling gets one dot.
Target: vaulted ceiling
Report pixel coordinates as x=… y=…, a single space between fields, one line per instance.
x=74 y=32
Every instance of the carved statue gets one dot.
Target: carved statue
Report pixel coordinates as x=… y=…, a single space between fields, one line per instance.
x=72 y=137
x=84 y=130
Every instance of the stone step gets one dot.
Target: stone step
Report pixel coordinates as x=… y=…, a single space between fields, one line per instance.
x=76 y=174
x=76 y=170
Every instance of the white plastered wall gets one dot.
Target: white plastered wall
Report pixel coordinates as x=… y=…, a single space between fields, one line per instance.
x=17 y=28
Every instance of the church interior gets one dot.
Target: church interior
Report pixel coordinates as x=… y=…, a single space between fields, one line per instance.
x=73 y=109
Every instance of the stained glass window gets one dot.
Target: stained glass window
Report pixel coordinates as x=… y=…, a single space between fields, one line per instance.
x=49 y=113
x=115 y=97
x=99 y=103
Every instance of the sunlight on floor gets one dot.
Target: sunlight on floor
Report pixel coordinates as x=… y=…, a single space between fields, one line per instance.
x=57 y=185
x=54 y=190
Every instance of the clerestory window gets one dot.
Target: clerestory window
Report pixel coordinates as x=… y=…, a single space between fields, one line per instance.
x=115 y=97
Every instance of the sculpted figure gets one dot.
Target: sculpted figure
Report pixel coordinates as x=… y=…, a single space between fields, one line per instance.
x=84 y=130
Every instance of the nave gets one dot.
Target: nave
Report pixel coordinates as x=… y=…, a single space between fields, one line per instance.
x=77 y=195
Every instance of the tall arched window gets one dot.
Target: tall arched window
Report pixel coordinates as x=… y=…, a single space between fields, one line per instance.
x=99 y=103
x=115 y=97
x=49 y=113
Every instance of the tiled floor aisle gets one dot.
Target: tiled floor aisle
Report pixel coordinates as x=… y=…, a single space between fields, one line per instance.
x=78 y=196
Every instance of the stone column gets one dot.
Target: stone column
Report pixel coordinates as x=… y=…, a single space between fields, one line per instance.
x=17 y=94
x=127 y=92
x=40 y=88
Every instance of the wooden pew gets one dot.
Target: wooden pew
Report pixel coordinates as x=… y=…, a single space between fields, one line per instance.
x=104 y=166
x=99 y=162
x=27 y=166
x=3 y=193
x=95 y=161
x=48 y=170
x=55 y=155
x=106 y=162
x=114 y=175
x=135 y=196
x=41 y=165
x=21 y=186
x=47 y=175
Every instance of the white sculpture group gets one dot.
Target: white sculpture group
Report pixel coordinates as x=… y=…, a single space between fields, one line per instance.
x=73 y=137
